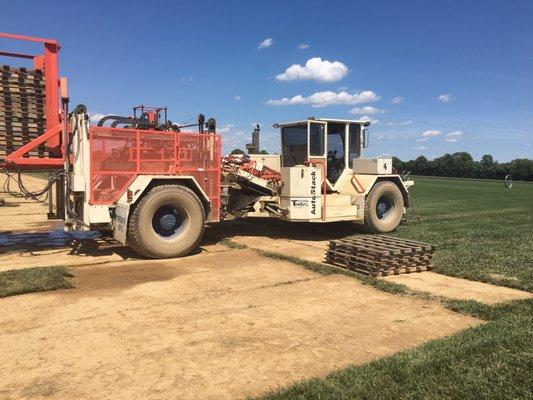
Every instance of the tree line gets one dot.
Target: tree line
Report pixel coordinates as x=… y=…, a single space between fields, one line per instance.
x=462 y=165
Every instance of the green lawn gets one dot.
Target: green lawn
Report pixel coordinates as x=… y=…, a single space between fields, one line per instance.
x=37 y=279
x=483 y=232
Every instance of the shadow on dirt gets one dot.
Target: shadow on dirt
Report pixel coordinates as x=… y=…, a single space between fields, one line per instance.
x=277 y=229
x=95 y=245
x=79 y=243
x=104 y=280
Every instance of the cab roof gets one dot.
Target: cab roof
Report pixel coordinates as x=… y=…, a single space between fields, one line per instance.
x=342 y=121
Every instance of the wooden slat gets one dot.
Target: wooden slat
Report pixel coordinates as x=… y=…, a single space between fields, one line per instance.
x=380 y=255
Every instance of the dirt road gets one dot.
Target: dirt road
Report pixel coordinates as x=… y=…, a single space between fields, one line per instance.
x=217 y=325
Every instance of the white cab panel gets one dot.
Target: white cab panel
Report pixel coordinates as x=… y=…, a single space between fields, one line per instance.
x=374 y=166
x=301 y=194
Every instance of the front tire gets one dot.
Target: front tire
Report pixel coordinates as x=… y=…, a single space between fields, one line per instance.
x=384 y=208
x=167 y=222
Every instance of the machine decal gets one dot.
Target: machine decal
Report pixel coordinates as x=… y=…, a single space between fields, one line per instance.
x=313 y=192
x=300 y=203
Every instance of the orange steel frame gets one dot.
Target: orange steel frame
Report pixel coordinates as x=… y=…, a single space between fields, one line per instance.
x=156 y=153
x=47 y=62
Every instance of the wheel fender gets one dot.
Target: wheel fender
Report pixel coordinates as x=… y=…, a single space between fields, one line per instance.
x=140 y=186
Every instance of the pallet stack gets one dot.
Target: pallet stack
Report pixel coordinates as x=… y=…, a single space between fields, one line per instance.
x=22 y=109
x=378 y=255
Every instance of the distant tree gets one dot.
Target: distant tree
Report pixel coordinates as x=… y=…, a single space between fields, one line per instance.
x=397 y=164
x=237 y=151
x=487 y=161
x=421 y=166
x=445 y=165
x=462 y=165
x=263 y=152
x=522 y=169
x=487 y=167
x=500 y=171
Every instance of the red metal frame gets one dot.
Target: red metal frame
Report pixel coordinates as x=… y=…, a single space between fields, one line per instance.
x=119 y=155
x=48 y=63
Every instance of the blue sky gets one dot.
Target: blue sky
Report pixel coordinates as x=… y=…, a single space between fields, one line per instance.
x=477 y=56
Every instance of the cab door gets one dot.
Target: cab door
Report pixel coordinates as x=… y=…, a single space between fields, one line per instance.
x=317 y=143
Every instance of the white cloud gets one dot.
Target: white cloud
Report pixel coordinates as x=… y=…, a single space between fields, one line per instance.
x=397 y=100
x=95 y=117
x=424 y=139
x=452 y=140
x=237 y=98
x=327 y=98
x=445 y=98
x=366 y=110
x=420 y=148
x=431 y=133
x=265 y=44
x=399 y=123
x=225 y=128
x=380 y=137
x=315 y=69
x=455 y=134
x=366 y=118
x=303 y=46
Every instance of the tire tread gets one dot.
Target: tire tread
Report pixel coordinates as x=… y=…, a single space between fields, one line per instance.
x=134 y=239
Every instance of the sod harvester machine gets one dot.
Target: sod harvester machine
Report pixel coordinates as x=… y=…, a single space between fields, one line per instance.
x=155 y=186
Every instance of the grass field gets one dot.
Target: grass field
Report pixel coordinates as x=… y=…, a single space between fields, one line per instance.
x=483 y=232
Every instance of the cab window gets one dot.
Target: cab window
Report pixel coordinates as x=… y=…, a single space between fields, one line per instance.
x=294 y=145
x=316 y=140
x=336 y=146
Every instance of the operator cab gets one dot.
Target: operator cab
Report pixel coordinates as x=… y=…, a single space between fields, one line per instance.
x=331 y=143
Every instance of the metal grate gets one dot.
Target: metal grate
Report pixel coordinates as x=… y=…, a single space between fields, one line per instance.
x=118 y=156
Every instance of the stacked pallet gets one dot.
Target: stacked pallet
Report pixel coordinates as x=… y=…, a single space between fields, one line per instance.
x=22 y=109
x=378 y=255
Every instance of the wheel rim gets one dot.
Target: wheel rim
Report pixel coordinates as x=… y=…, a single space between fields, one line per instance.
x=385 y=207
x=168 y=222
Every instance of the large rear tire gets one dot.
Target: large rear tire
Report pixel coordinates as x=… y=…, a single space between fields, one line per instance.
x=167 y=222
x=384 y=208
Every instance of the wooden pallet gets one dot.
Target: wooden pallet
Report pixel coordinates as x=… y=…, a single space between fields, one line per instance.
x=22 y=109
x=379 y=255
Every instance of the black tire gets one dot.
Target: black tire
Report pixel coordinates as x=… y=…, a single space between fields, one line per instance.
x=167 y=222
x=384 y=208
